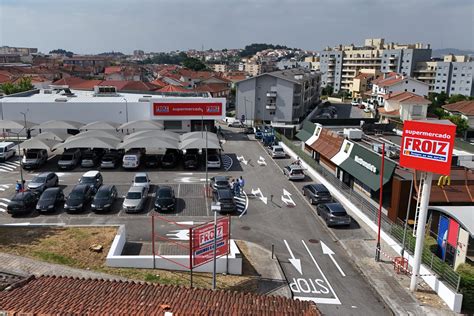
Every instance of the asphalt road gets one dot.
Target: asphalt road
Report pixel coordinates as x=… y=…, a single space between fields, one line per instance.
x=313 y=273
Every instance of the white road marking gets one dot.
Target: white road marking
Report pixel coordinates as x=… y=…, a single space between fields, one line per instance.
x=5 y=200
x=190 y=223
x=242 y=159
x=13 y=164
x=330 y=253
x=227 y=161
x=287 y=199
x=261 y=161
x=180 y=234
x=8 y=168
x=295 y=262
x=259 y=194
x=246 y=204
x=3 y=204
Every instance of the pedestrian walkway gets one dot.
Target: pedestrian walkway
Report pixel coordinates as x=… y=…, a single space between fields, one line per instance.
x=3 y=204
x=22 y=265
x=9 y=166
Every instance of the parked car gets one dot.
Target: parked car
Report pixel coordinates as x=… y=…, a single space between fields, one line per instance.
x=219 y=183
x=141 y=179
x=317 y=193
x=135 y=199
x=34 y=158
x=104 y=198
x=191 y=160
x=43 y=181
x=110 y=160
x=258 y=132
x=334 y=214
x=22 y=203
x=79 y=197
x=170 y=158
x=354 y=103
x=132 y=159
x=50 y=200
x=361 y=106
x=277 y=152
x=7 y=150
x=165 y=199
x=93 y=179
x=89 y=159
x=248 y=130
x=225 y=199
x=69 y=159
x=294 y=172
x=152 y=161
x=213 y=161
x=235 y=124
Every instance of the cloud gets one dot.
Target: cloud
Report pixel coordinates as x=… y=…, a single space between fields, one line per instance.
x=91 y=26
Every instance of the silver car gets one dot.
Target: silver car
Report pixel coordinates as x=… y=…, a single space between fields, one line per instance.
x=277 y=152
x=135 y=199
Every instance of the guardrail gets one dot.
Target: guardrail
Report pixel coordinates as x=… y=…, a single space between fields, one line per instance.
x=441 y=269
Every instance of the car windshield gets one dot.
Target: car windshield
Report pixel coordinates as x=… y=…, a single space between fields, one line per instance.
x=76 y=195
x=67 y=157
x=1 y=149
x=164 y=193
x=134 y=195
x=190 y=157
x=297 y=171
x=31 y=155
x=108 y=158
x=87 y=180
x=39 y=180
x=213 y=158
x=19 y=197
x=102 y=195
x=222 y=182
x=339 y=213
x=87 y=156
x=141 y=179
x=168 y=158
x=278 y=149
x=48 y=195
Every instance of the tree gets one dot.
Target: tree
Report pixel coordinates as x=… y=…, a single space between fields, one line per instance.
x=327 y=90
x=461 y=124
x=24 y=84
x=457 y=98
x=437 y=99
x=194 y=64
x=61 y=51
x=252 y=49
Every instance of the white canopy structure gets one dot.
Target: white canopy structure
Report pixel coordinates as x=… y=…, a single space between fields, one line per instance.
x=57 y=124
x=155 y=133
x=97 y=133
x=52 y=135
x=89 y=142
x=141 y=125
x=196 y=135
x=149 y=143
x=100 y=125
x=13 y=124
x=199 y=143
x=38 y=143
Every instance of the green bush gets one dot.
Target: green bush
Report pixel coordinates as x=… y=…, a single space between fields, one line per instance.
x=466 y=287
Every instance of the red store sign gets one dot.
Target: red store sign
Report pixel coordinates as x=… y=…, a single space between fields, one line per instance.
x=203 y=241
x=187 y=109
x=428 y=146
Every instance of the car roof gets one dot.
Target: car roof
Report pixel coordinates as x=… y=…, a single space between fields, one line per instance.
x=141 y=174
x=164 y=188
x=106 y=187
x=80 y=187
x=22 y=194
x=44 y=174
x=335 y=207
x=136 y=189
x=277 y=146
x=91 y=174
x=225 y=193
x=55 y=189
x=221 y=178
x=319 y=186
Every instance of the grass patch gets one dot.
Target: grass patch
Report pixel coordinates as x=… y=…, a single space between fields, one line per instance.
x=54 y=258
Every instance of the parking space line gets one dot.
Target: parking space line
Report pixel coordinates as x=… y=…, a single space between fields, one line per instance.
x=207 y=203
x=179 y=187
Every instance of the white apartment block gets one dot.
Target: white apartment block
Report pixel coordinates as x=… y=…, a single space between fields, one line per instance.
x=388 y=84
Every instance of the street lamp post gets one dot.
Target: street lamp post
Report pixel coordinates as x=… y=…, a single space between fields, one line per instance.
x=126 y=109
x=377 y=251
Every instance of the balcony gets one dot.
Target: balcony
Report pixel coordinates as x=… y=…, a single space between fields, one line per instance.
x=270 y=106
x=271 y=94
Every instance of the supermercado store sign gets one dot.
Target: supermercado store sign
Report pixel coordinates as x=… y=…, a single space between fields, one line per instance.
x=428 y=145
x=188 y=108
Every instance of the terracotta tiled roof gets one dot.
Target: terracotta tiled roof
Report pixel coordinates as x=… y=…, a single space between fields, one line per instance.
x=464 y=107
x=68 y=81
x=406 y=97
x=112 y=70
x=49 y=295
x=139 y=86
x=87 y=85
x=363 y=76
x=390 y=81
x=119 y=84
x=212 y=87
x=159 y=83
x=328 y=144
x=172 y=88
x=381 y=78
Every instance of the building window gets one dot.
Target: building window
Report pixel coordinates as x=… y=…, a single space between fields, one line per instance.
x=453 y=82
x=406 y=90
x=452 y=89
x=413 y=90
x=444 y=80
x=417 y=110
x=455 y=68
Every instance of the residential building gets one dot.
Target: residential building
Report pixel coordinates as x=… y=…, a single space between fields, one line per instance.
x=361 y=88
x=123 y=73
x=280 y=97
x=404 y=106
x=288 y=64
x=23 y=51
x=394 y=82
x=89 y=65
x=252 y=69
x=314 y=61
x=339 y=65
x=220 y=67
x=466 y=110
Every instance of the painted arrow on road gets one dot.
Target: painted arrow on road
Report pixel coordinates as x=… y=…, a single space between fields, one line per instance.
x=330 y=253
x=242 y=159
x=191 y=223
x=258 y=193
x=286 y=198
x=180 y=234
x=295 y=262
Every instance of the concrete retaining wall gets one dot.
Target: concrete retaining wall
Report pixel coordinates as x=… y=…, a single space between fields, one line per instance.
x=231 y=264
x=448 y=295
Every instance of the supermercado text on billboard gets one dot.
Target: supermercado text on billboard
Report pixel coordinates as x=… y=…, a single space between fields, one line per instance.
x=194 y=110
x=428 y=145
x=203 y=241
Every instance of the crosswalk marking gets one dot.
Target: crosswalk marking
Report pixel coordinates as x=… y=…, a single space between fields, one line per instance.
x=240 y=201
x=3 y=206
x=227 y=162
x=4 y=187
x=8 y=166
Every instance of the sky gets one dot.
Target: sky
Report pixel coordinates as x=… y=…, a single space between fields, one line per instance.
x=95 y=26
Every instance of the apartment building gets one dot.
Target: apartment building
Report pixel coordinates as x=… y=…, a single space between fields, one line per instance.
x=340 y=64
x=278 y=98
x=452 y=75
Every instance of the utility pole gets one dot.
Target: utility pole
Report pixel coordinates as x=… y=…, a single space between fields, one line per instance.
x=377 y=251
x=408 y=214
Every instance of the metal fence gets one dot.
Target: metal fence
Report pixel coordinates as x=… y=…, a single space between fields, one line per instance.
x=443 y=270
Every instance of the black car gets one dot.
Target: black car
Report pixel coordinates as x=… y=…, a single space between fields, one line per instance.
x=225 y=199
x=22 y=203
x=104 y=198
x=191 y=160
x=333 y=214
x=219 y=182
x=77 y=200
x=317 y=193
x=50 y=200
x=170 y=158
x=165 y=199
x=152 y=161
x=43 y=181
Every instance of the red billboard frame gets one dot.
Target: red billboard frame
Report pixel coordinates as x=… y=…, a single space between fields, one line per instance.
x=202 y=241
x=196 y=109
x=428 y=146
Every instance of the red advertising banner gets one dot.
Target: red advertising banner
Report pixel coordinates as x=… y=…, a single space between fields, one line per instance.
x=203 y=241
x=428 y=146
x=187 y=109
x=453 y=232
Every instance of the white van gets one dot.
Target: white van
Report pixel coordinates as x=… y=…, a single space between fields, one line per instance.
x=131 y=159
x=7 y=150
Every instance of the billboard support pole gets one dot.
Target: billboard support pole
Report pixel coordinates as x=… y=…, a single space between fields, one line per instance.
x=214 y=252
x=153 y=238
x=191 y=256
x=377 y=251
x=420 y=232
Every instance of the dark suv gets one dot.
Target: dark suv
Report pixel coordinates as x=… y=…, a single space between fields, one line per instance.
x=22 y=203
x=77 y=200
x=225 y=198
x=104 y=198
x=317 y=193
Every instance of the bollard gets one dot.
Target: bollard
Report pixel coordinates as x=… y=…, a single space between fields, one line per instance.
x=273 y=250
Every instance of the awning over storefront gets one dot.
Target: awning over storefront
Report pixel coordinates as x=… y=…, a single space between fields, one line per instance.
x=328 y=143
x=306 y=132
x=364 y=165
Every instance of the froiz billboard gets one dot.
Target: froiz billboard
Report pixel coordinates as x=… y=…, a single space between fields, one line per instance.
x=428 y=145
x=192 y=109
